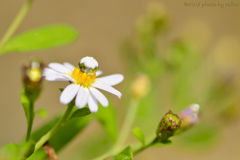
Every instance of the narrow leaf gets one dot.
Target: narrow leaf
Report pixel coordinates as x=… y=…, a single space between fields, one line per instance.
x=126 y=154
x=139 y=135
x=81 y=113
x=41 y=38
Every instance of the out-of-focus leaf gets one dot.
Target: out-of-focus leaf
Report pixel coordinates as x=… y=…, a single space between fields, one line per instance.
x=62 y=137
x=81 y=113
x=126 y=154
x=91 y=145
x=200 y=136
x=10 y=152
x=139 y=135
x=17 y=152
x=41 y=38
x=42 y=113
x=108 y=118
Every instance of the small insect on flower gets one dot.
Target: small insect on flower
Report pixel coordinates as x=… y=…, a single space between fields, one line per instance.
x=84 y=83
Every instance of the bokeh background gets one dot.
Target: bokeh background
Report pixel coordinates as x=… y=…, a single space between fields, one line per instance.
x=102 y=25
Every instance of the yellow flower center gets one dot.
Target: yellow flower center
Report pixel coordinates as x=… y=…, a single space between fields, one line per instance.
x=35 y=75
x=83 y=78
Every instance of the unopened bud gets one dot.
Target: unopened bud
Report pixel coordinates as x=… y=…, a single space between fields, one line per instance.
x=169 y=124
x=32 y=78
x=155 y=19
x=140 y=86
x=190 y=116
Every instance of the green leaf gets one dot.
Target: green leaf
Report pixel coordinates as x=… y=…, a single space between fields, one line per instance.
x=126 y=154
x=86 y=147
x=10 y=152
x=199 y=137
x=42 y=113
x=17 y=152
x=61 y=89
x=64 y=136
x=81 y=113
x=108 y=118
x=41 y=38
x=139 y=135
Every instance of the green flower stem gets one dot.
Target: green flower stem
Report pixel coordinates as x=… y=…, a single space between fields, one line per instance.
x=30 y=120
x=154 y=141
x=16 y=22
x=60 y=124
x=126 y=128
x=128 y=122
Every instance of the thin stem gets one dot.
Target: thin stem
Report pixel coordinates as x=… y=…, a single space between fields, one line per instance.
x=16 y=22
x=128 y=122
x=154 y=141
x=60 y=124
x=126 y=127
x=30 y=120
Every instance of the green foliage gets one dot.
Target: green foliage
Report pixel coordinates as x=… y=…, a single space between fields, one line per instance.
x=81 y=113
x=108 y=118
x=10 y=152
x=62 y=137
x=17 y=152
x=96 y=144
x=126 y=154
x=200 y=137
x=139 y=135
x=41 y=38
x=42 y=113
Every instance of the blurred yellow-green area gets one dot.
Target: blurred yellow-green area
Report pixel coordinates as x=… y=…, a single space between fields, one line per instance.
x=187 y=52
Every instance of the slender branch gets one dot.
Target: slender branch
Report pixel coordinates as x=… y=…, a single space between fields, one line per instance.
x=30 y=120
x=60 y=124
x=16 y=22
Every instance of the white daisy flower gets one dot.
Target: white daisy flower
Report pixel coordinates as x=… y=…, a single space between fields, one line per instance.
x=85 y=83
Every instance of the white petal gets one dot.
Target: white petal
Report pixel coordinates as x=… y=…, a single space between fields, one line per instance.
x=69 y=93
x=107 y=88
x=59 y=67
x=56 y=77
x=98 y=73
x=92 y=103
x=99 y=96
x=47 y=71
x=69 y=66
x=82 y=97
x=112 y=79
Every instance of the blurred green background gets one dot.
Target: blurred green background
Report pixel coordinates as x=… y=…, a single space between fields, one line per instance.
x=213 y=32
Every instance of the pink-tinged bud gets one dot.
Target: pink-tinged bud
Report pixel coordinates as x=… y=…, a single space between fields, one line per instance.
x=190 y=116
x=169 y=124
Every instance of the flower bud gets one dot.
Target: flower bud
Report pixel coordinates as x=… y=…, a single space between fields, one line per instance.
x=32 y=78
x=140 y=86
x=169 y=124
x=154 y=21
x=190 y=116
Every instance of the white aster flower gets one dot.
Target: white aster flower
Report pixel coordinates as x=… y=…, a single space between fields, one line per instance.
x=84 y=83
